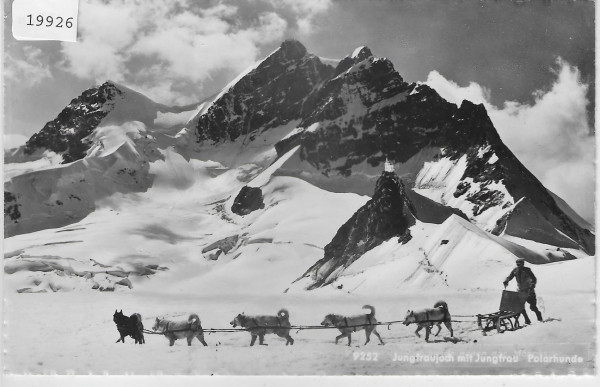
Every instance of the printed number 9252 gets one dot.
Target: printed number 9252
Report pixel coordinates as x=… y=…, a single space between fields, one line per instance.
x=365 y=356
x=49 y=21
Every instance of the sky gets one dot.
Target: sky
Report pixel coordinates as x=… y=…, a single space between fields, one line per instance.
x=530 y=62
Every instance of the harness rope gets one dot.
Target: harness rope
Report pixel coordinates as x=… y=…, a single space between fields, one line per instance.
x=296 y=327
x=167 y=330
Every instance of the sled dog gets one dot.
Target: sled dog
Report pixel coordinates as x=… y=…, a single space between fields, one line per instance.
x=347 y=325
x=429 y=317
x=174 y=330
x=258 y=326
x=129 y=326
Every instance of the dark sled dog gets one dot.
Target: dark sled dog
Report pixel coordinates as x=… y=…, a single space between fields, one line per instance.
x=429 y=317
x=347 y=325
x=129 y=326
x=174 y=330
x=259 y=326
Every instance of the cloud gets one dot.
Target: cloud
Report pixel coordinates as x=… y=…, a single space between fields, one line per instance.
x=188 y=51
x=305 y=11
x=12 y=140
x=156 y=45
x=105 y=31
x=305 y=7
x=551 y=136
x=29 y=70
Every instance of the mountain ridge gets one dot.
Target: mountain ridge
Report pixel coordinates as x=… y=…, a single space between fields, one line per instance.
x=298 y=118
x=388 y=214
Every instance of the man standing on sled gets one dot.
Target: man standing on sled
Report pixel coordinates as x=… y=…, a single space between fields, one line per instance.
x=525 y=284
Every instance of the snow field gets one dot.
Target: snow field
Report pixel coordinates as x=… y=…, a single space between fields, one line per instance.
x=74 y=333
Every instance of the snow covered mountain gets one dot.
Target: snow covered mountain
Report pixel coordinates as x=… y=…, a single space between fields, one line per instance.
x=103 y=142
x=388 y=214
x=118 y=186
x=453 y=155
x=378 y=238
x=275 y=92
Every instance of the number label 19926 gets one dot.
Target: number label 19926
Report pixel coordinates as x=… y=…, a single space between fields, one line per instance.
x=49 y=21
x=45 y=20
x=365 y=356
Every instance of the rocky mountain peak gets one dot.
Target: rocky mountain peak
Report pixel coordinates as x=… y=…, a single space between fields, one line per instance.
x=471 y=129
x=65 y=133
x=388 y=214
x=291 y=49
x=272 y=94
x=392 y=202
x=390 y=188
x=388 y=183
x=110 y=89
x=361 y=53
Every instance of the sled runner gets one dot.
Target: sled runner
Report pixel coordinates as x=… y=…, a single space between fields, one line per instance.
x=512 y=305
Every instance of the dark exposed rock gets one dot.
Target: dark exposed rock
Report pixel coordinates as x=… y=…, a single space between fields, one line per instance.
x=344 y=65
x=362 y=54
x=462 y=188
x=292 y=49
x=214 y=256
x=350 y=61
x=276 y=91
x=225 y=244
x=484 y=199
x=249 y=199
x=66 y=134
x=29 y=290
x=11 y=208
x=526 y=222
x=260 y=240
x=389 y=213
x=156 y=267
x=405 y=237
x=429 y=211
x=125 y=282
x=118 y=273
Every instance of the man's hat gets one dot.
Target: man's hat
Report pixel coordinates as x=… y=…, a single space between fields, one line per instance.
x=520 y=261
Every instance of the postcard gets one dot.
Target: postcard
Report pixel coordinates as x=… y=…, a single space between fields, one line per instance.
x=299 y=188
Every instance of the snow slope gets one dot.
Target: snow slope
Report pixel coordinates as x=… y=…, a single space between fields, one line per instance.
x=455 y=255
x=170 y=224
x=56 y=195
x=438 y=181
x=86 y=345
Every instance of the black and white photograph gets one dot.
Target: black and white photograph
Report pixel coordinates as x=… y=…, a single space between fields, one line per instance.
x=299 y=188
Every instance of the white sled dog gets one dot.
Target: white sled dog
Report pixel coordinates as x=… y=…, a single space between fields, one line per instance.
x=347 y=325
x=429 y=317
x=258 y=326
x=174 y=330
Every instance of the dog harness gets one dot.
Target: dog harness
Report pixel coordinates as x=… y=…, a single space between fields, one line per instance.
x=346 y=322
x=167 y=330
x=354 y=327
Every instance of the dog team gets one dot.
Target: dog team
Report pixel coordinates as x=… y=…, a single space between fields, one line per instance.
x=259 y=326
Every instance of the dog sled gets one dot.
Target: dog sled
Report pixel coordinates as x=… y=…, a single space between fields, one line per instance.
x=512 y=305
